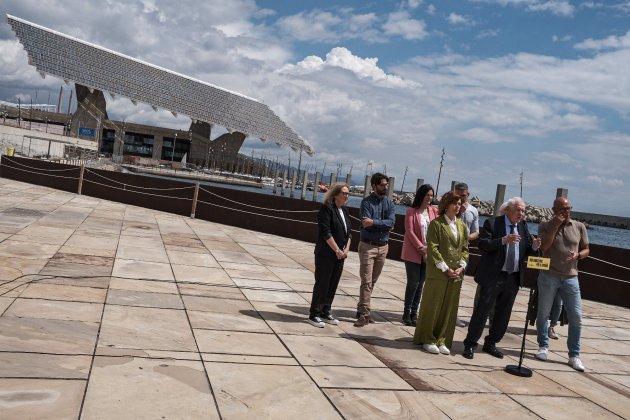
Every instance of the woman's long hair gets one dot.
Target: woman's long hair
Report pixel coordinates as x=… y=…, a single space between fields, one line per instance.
x=332 y=192
x=422 y=191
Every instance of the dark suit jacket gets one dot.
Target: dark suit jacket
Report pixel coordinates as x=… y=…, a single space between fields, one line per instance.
x=493 y=251
x=330 y=224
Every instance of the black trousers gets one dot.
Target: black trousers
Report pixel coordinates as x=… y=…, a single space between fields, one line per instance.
x=503 y=292
x=327 y=274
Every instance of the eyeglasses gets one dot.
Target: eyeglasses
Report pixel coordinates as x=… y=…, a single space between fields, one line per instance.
x=345 y=194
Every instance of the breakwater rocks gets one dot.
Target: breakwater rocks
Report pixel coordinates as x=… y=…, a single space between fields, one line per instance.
x=533 y=214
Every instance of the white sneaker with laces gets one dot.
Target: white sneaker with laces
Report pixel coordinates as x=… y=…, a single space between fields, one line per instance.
x=576 y=363
x=444 y=350
x=329 y=319
x=431 y=348
x=542 y=354
x=316 y=321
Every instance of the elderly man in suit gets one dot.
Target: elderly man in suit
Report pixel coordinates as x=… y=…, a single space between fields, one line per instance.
x=504 y=242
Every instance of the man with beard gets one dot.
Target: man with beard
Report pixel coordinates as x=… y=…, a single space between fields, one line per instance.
x=377 y=220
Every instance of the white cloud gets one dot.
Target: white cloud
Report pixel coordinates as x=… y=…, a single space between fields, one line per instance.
x=610 y=43
x=483 y=135
x=329 y=27
x=611 y=182
x=488 y=33
x=556 y=7
x=554 y=157
x=431 y=9
x=455 y=19
x=413 y=4
x=401 y=24
x=313 y=25
x=363 y=68
x=558 y=38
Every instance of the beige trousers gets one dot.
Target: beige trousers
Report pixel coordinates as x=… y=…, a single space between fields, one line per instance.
x=371 y=259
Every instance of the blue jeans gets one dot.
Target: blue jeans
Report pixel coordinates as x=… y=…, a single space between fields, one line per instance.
x=569 y=291
x=415 y=281
x=556 y=310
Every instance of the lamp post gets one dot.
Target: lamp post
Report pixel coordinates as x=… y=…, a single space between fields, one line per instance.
x=189 y=143
x=222 y=157
x=174 y=143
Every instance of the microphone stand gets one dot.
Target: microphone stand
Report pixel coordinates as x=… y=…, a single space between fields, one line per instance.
x=520 y=370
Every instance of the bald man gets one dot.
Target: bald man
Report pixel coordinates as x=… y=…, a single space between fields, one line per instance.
x=564 y=241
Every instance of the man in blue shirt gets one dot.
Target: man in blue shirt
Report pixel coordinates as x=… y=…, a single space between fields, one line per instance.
x=377 y=220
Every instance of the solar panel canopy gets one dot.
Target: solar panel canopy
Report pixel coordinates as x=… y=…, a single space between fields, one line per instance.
x=61 y=55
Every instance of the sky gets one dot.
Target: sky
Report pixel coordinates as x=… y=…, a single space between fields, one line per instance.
x=506 y=87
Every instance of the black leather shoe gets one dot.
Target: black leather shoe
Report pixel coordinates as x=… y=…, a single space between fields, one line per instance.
x=468 y=353
x=493 y=351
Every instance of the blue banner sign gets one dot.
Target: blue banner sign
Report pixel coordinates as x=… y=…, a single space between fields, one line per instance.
x=87 y=132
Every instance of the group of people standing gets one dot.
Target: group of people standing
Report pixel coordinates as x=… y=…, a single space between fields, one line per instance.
x=435 y=253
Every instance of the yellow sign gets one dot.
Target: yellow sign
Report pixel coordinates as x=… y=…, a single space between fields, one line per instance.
x=538 y=263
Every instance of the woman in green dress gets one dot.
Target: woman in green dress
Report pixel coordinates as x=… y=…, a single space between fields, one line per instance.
x=447 y=243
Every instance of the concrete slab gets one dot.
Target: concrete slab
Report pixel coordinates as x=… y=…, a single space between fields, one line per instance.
x=121 y=387
x=52 y=309
x=383 y=404
x=142 y=270
x=263 y=391
x=49 y=366
x=237 y=342
x=41 y=398
x=127 y=327
x=47 y=336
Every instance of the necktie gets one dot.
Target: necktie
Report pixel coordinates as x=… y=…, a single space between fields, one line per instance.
x=510 y=265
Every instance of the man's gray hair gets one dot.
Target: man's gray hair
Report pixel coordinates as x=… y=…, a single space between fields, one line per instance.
x=461 y=186
x=514 y=201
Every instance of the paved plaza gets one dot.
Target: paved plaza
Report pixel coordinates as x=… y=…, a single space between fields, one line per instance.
x=110 y=311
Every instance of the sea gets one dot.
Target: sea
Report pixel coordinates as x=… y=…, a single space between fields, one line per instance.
x=601 y=235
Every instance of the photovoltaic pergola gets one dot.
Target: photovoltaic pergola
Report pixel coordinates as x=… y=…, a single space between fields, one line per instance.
x=71 y=59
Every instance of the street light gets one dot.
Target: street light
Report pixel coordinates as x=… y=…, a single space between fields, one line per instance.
x=174 y=142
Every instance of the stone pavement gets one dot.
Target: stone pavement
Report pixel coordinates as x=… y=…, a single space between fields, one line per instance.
x=113 y=311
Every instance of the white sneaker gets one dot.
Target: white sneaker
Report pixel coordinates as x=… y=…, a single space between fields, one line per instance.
x=316 y=321
x=542 y=354
x=444 y=350
x=576 y=363
x=329 y=319
x=552 y=333
x=431 y=348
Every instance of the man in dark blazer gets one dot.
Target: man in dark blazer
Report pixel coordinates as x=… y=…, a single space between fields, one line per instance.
x=505 y=243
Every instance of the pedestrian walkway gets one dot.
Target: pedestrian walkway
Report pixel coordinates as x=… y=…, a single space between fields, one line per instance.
x=114 y=311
